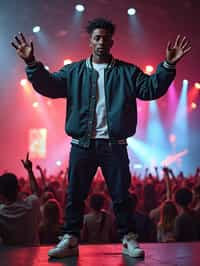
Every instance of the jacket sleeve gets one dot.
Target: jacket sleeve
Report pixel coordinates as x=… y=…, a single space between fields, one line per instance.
x=151 y=87
x=52 y=85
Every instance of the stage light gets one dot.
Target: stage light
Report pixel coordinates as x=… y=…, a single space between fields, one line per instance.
x=131 y=11
x=197 y=85
x=80 y=8
x=185 y=83
x=67 y=61
x=172 y=138
x=137 y=166
x=46 y=67
x=36 y=29
x=23 y=82
x=49 y=102
x=58 y=163
x=193 y=105
x=149 y=69
x=35 y=105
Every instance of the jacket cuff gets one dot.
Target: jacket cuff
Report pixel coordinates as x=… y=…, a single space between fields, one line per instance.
x=168 y=65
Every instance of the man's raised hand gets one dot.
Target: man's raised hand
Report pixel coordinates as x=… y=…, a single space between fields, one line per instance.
x=176 y=51
x=24 y=49
x=27 y=163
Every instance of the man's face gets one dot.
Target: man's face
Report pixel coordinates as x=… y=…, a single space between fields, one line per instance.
x=101 y=42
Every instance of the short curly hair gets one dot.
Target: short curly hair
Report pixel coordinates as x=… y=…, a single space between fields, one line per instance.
x=100 y=23
x=183 y=197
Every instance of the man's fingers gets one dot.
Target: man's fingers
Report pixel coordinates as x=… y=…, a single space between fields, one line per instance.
x=14 y=45
x=177 y=40
x=27 y=156
x=23 y=38
x=169 y=45
x=186 y=44
x=23 y=162
x=31 y=43
x=183 y=41
x=18 y=40
x=187 y=50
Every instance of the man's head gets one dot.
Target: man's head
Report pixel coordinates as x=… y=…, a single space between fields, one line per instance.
x=101 y=32
x=183 y=197
x=9 y=187
x=97 y=201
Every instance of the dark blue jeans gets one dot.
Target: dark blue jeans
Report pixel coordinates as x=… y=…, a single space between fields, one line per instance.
x=114 y=162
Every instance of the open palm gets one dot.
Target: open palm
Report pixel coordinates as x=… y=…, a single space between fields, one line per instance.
x=175 y=52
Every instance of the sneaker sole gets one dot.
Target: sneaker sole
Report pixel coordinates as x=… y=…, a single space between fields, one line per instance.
x=139 y=254
x=68 y=253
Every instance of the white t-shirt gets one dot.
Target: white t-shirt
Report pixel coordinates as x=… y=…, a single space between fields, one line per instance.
x=19 y=222
x=101 y=128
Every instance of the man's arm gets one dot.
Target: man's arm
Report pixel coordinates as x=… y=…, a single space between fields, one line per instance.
x=156 y=85
x=33 y=183
x=53 y=85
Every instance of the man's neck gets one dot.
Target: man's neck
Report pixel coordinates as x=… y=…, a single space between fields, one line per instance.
x=101 y=60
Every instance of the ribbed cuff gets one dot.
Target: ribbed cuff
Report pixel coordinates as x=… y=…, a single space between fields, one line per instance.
x=168 y=66
x=32 y=64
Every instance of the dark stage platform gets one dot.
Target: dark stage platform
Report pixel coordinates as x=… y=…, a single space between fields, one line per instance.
x=173 y=254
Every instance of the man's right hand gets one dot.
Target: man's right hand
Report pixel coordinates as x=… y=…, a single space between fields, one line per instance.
x=24 y=49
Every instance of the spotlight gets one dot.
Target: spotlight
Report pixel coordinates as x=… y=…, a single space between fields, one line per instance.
x=46 y=67
x=197 y=85
x=172 y=138
x=67 y=61
x=23 y=82
x=185 y=82
x=80 y=8
x=193 y=105
x=131 y=11
x=36 y=29
x=58 y=163
x=35 y=105
x=149 y=69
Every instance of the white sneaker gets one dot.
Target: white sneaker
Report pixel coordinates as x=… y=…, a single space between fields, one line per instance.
x=131 y=246
x=68 y=246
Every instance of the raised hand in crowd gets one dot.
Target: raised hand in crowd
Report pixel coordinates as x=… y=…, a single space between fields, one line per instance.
x=27 y=163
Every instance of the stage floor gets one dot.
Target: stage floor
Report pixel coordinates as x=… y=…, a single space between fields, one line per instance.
x=173 y=254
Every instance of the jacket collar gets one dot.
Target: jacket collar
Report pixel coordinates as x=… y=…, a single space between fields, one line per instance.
x=110 y=64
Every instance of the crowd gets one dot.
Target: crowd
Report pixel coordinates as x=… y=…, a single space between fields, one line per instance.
x=164 y=208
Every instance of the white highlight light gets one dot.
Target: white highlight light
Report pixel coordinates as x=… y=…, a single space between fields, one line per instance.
x=80 y=8
x=137 y=166
x=35 y=105
x=58 y=163
x=131 y=11
x=46 y=67
x=36 y=29
x=185 y=82
x=23 y=82
x=149 y=69
x=67 y=61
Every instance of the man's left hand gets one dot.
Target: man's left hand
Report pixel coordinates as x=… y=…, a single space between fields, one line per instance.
x=175 y=52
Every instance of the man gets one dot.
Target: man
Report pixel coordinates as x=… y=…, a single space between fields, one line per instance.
x=101 y=97
x=16 y=214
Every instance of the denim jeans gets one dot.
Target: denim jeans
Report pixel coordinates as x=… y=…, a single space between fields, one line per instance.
x=83 y=163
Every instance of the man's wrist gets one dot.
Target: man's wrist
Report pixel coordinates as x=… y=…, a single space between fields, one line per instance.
x=169 y=65
x=31 y=62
